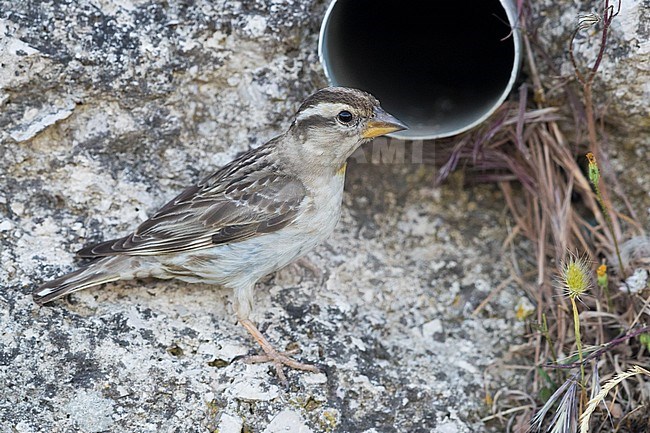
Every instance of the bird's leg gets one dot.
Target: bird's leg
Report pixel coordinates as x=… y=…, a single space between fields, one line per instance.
x=271 y=355
x=305 y=263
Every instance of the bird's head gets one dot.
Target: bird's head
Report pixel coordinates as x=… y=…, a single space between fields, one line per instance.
x=333 y=122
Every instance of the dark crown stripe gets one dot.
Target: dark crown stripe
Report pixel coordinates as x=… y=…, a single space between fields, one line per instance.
x=355 y=98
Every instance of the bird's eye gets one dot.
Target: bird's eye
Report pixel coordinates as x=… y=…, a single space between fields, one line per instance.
x=345 y=116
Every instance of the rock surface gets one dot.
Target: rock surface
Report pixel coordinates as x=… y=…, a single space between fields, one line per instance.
x=108 y=108
x=622 y=86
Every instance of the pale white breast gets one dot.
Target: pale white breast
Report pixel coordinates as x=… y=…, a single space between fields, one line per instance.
x=241 y=264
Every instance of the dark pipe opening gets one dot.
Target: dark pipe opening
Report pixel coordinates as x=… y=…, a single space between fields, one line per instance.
x=438 y=66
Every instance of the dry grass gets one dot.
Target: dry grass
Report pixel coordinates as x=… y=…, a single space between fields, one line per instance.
x=536 y=154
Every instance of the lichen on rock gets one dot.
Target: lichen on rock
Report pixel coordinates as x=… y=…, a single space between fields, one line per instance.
x=108 y=108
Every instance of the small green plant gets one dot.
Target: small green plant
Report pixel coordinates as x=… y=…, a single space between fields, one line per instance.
x=553 y=202
x=594 y=178
x=547 y=336
x=603 y=283
x=575 y=282
x=645 y=340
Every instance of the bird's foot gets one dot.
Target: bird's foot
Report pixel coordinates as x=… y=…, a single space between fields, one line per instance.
x=279 y=359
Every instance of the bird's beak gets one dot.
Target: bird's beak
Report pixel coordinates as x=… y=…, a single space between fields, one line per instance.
x=381 y=124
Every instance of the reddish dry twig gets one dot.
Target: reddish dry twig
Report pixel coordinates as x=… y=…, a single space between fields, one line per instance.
x=606 y=347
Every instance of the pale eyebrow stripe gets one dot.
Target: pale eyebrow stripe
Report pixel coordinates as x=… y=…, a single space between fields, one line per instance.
x=323 y=109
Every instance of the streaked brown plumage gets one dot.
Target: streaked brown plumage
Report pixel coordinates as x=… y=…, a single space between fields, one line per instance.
x=253 y=216
x=249 y=196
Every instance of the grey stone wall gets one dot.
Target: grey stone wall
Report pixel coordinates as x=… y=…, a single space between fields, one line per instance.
x=622 y=86
x=108 y=108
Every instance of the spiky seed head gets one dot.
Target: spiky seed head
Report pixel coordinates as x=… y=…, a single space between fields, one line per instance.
x=574 y=276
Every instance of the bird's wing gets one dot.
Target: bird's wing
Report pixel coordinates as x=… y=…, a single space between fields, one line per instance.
x=248 y=197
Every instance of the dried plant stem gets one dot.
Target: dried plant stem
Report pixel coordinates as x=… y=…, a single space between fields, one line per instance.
x=594 y=178
x=553 y=204
x=591 y=122
x=610 y=227
x=576 y=327
x=587 y=81
x=594 y=402
x=607 y=347
x=547 y=337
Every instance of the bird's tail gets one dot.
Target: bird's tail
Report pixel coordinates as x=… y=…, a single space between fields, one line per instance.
x=102 y=271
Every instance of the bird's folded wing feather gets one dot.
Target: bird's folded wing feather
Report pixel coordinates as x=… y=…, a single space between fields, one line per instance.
x=246 y=198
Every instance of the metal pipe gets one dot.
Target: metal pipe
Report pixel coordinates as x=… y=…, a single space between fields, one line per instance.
x=441 y=66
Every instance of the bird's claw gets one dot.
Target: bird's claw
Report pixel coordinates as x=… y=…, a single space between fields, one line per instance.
x=279 y=360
